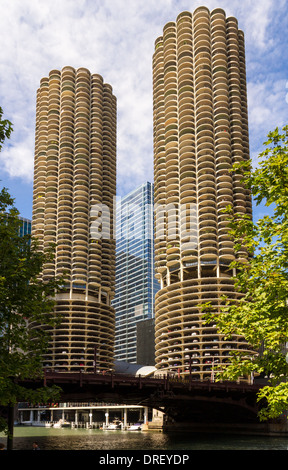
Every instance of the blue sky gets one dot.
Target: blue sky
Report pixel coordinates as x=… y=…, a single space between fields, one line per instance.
x=115 y=38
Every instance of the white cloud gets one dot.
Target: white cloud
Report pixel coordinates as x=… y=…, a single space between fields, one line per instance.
x=257 y=17
x=114 y=38
x=17 y=160
x=268 y=104
x=268 y=109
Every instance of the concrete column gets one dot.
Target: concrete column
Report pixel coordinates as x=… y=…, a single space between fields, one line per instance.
x=145 y=415
x=168 y=277
x=107 y=416
x=125 y=418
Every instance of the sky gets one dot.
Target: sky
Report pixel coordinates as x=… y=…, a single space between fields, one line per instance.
x=115 y=38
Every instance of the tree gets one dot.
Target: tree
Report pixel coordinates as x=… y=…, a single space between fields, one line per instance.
x=24 y=299
x=261 y=315
x=5 y=128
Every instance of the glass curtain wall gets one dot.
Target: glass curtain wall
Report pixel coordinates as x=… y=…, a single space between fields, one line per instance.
x=136 y=284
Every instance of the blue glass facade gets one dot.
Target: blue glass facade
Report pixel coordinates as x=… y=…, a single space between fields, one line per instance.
x=136 y=284
x=25 y=228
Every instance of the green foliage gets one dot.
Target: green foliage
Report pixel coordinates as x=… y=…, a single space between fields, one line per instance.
x=25 y=300
x=5 y=128
x=261 y=315
x=276 y=399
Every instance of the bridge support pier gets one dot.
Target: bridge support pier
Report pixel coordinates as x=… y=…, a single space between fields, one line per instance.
x=262 y=429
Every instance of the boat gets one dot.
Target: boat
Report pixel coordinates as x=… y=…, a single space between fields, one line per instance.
x=135 y=427
x=42 y=424
x=61 y=424
x=114 y=426
x=57 y=425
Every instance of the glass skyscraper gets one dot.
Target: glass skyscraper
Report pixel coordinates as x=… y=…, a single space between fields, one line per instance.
x=136 y=284
x=25 y=228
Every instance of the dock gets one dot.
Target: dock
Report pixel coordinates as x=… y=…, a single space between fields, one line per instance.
x=87 y=416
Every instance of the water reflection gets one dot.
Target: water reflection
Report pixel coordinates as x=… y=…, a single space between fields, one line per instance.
x=90 y=439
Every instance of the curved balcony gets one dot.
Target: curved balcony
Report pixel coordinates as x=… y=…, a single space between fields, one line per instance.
x=184 y=334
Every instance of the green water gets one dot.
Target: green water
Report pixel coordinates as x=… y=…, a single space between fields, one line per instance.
x=90 y=439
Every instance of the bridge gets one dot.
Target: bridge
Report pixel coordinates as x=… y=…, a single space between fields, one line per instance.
x=201 y=406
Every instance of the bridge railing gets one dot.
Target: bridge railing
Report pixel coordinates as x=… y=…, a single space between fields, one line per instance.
x=166 y=380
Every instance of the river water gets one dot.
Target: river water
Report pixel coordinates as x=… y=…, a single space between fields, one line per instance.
x=93 y=439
